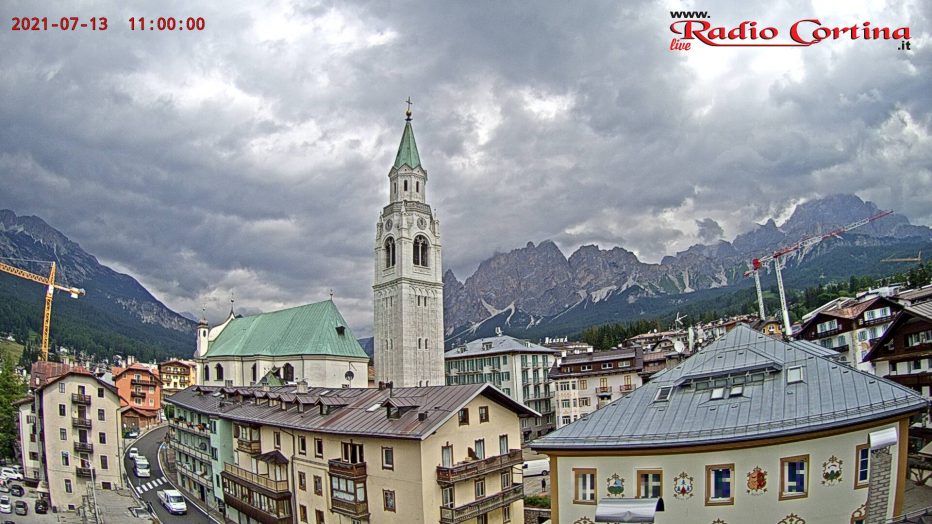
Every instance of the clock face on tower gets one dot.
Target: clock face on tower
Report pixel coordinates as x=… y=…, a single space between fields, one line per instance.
x=421 y=223
x=388 y=225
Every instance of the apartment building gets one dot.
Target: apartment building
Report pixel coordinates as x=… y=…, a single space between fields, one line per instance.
x=177 y=375
x=733 y=435
x=140 y=390
x=849 y=326
x=447 y=454
x=69 y=435
x=588 y=380
x=518 y=367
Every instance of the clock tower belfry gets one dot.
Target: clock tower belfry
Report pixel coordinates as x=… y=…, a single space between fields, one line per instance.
x=408 y=288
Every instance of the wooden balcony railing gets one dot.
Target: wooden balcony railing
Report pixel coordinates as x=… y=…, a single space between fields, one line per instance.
x=78 y=398
x=477 y=468
x=481 y=506
x=78 y=422
x=84 y=473
x=255 y=513
x=249 y=446
x=240 y=476
x=356 y=510
x=83 y=447
x=348 y=470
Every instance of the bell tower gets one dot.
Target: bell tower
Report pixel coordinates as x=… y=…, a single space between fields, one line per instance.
x=408 y=288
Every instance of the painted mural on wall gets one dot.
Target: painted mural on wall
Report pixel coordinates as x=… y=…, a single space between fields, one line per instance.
x=831 y=471
x=757 y=481
x=792 y=518
x=682 y=486
x=616 y=486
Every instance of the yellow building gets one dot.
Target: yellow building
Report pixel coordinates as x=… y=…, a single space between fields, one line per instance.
x=750 y=429
x=177 y=375
x=447 y=454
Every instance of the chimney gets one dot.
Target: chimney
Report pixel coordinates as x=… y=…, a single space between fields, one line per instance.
x=381 y=385
x=563 y=353
x=879 y=489
x=301 y=388
x=130 y=360
x=265 y=387
x=422 y=416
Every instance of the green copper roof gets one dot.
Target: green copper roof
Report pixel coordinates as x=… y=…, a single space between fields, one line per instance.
x=407 y=150
x=304 y=330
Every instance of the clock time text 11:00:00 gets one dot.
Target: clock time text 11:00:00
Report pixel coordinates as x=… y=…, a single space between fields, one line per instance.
x=140 y=23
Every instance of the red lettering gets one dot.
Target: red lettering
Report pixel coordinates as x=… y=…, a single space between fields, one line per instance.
x=794 y=31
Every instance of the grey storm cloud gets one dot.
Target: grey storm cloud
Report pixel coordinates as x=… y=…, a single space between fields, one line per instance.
x=709 y=230
x=251 y=158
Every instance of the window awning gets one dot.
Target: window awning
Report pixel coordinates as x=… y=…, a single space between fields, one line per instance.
x=628 y=510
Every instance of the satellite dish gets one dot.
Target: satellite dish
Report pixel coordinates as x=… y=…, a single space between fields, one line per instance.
x=678 y=346
x=349 y=376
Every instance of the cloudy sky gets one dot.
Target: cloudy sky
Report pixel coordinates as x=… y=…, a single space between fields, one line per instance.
x=253 y=156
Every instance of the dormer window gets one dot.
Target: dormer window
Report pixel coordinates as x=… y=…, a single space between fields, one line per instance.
x=486 y=346
x=794 y=374
x=663 y=394
x=718 y=393
x=736 y=391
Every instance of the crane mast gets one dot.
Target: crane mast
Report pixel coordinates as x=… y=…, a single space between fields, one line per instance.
x=50 y=287
x=776 y=257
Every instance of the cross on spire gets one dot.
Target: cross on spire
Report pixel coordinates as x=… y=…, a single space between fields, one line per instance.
x=408 y=112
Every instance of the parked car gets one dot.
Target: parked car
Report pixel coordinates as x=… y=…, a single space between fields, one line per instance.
x=535 y=467
x=17 y=490
x=133 y=433
x=4 y=486
x=142 y=470
x=41 y=506
x=5 y=505
x=8 y=473
x=20 y=507
x=133 y=453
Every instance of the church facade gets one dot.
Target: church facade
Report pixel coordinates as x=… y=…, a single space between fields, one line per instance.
x=408 y=285
x=310 y=343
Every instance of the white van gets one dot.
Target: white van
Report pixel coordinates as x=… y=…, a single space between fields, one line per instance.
x=535 y=467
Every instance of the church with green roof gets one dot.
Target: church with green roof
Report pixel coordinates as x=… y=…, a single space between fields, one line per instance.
x=310 y=343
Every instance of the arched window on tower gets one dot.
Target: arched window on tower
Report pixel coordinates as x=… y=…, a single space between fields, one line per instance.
x=406 y=185
x=219 y=369
x=417 y=187
x=390 y=252
x=421 y=251
x=206 y=373
x=255 y=372
x=288 y=371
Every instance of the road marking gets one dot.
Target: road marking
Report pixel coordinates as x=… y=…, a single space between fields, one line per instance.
x=142 y=488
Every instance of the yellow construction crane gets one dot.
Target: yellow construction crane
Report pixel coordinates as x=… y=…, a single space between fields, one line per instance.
x=51 y=286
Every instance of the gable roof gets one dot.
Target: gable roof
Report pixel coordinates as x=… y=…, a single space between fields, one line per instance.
x=830 y=395
x=78 y=372
x=497 y=345
x=363 y=412
x=311 y=329
x=136 y=366
x=922 y=310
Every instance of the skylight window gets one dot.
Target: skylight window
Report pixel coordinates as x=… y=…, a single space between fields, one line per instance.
x=718 y=393
x=663 y=393
x=736 y=391
x=373 y=407
x=794 y=374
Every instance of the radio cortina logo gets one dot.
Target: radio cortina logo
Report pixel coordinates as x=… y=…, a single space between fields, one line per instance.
x=802 y=33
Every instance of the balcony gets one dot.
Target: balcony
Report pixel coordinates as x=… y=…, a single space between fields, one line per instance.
x=190 y=450
x=843 y=348
x=191 y=427
x=257 y=514
x=828 y=332
x=137 y=394
x=875 y=321
x=249 y=446
x=626 y=388
x=239 y=475
x=77 y=398
x=142 y=382
x=83 y=447
x=477 y=468
x=79 y=422
x=347 y=470
x=603 y=391
x=356 y=510
x=481 y=506
x=84 y=473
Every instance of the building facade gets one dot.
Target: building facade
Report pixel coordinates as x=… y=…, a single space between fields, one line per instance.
x=447 y=454
x=177 y=375
x=310 y=342
x=735 y=434
x=69 y=433
x=589 y=380
x=850 y=326
x=408 y=285
x=140 y=390
x=518 y=367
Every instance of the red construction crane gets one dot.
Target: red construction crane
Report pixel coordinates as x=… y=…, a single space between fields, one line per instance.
x=776 y=257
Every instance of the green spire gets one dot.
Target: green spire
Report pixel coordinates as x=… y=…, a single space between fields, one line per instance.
x=407 y=150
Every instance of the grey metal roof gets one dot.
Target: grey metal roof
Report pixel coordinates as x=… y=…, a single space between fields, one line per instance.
x=362 y=412
x=500 y=344
x=830 y=395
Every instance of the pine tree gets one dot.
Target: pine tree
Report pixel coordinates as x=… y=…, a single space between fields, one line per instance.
x=12 y=389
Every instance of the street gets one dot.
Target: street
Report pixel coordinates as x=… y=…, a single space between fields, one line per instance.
x=146 y=488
